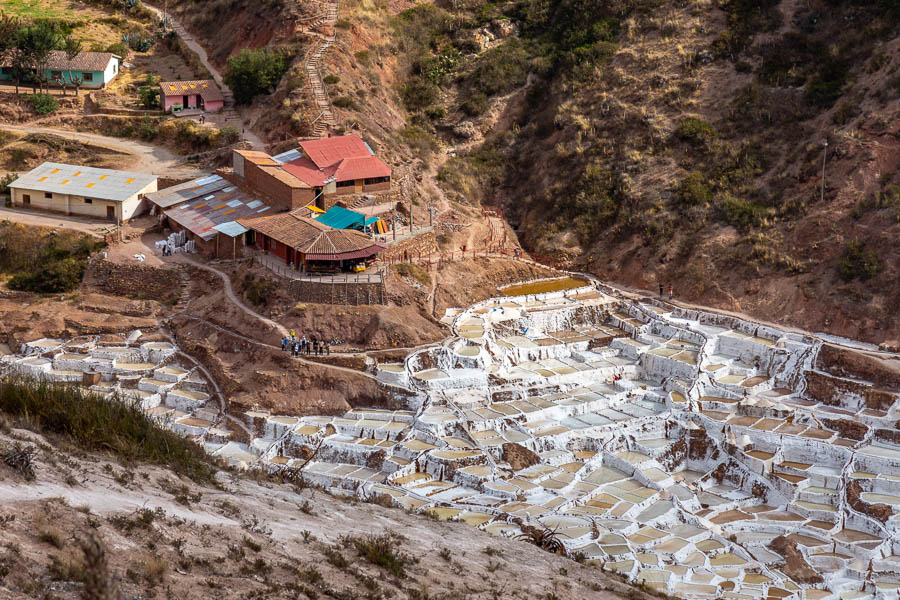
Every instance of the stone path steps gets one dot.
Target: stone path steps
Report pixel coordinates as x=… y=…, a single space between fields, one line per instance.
x=325 y=118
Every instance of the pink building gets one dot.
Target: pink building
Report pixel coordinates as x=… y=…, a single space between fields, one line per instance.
x=201 y=94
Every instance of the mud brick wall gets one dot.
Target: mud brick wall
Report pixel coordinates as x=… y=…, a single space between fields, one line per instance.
x=340 y=293
x=136 y=281
x=421 y=245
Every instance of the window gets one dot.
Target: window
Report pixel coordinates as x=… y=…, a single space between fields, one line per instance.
x=88 y=201
x=346 y=183
x=86 y=77
x=115 y=67
x=48 y=195
x=6 y=70
x=374 y=180
x=55 y=74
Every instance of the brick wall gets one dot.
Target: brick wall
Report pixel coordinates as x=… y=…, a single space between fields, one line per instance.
x=133 y=281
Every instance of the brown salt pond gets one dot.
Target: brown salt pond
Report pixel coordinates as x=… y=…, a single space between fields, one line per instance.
x=542 y=287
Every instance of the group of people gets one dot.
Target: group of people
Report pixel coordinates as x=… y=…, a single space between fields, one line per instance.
x=662 y=289
x=308 y=346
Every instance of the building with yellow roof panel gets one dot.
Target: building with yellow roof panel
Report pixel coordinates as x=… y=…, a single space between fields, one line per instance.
x=198 y=94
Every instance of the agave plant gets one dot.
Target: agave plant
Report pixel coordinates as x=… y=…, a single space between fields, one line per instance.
x=544 y=538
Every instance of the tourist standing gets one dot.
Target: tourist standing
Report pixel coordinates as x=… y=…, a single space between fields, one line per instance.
x=670 y=291
x=661 y=290
x=293 y=335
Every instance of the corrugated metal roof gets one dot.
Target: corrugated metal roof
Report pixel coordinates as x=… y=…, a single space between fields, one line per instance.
x=288 y=156
x=231 y=228
x=327 y=151
x=189 y=190
x=210 y=211
x=91 y=182
x=207 y=88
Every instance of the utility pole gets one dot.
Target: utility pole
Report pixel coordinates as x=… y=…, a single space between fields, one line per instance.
x=824 y=157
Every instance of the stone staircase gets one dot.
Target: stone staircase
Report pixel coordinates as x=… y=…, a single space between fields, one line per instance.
x=325 y=118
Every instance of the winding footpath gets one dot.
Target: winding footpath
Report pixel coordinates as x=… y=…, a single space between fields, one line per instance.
x=232 y=118
x=282 y=330
x=150 y=158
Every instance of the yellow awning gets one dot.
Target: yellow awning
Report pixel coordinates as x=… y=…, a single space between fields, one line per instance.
x=315 y=208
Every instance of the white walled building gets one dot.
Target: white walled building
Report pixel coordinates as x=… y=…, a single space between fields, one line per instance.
x=87 y=191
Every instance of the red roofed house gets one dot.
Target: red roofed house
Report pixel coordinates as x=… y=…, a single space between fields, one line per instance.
x=346 y=161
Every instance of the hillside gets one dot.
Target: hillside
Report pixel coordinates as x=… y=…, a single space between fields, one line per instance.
x=669 y=142
x=80 y=523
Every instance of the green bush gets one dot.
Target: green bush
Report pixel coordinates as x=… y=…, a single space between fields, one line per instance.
x=418 y=93
x=695 y=131
x=857 y=262
x=254 y=72
x=43 y=104
x=343 y=24
x=344 y=102
x=44 y=262
x=229 y=135
x=6 y=180
x=475 y=105
x=95 y=424
x=502 y=69
x=694 y=189
x=741 y=213
x=331 y=79
x=436 y=113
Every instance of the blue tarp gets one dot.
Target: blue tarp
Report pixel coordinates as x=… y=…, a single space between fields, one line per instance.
x=342 y=218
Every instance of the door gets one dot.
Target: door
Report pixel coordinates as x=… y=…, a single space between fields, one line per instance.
x=26 y=199
x=184 y=102
x=111 y=212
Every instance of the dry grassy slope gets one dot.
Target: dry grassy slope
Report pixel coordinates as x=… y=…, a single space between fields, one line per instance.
x=163 y=537
x=774 y=256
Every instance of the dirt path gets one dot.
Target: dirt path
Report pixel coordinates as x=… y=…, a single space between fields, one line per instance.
x=232 y=117
x=150 y=158
x=229 y=293
x=90 y=226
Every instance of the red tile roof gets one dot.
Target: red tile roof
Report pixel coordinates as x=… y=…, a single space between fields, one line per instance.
x=360 y=168
x=305 y=170
x=346 y=158
x=327 y=151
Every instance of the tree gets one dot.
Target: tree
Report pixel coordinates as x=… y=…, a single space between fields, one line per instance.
x=253 y=72
x=149 y=92
x=39 y=41
x=9 y=36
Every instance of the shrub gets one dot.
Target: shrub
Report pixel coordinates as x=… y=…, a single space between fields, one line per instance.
x=434 y=113
x=857 y=262
x=363 y=57
x=6 y=180
x=44 y=262
x=331 y=79
x=383 y=551
x=501 y=69
x=343 y=23
x=254 y=72
x=229 y=135
x=418 y=93
x=43 y=104
x=96 y=424
x=344 y=102
x=413 y=271
x=694 y=190
x=475 y=105
x=740 y=213
x=695 y=131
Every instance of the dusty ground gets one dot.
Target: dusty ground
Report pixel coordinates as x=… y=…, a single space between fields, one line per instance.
x=28 y=151
x=165 y=538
